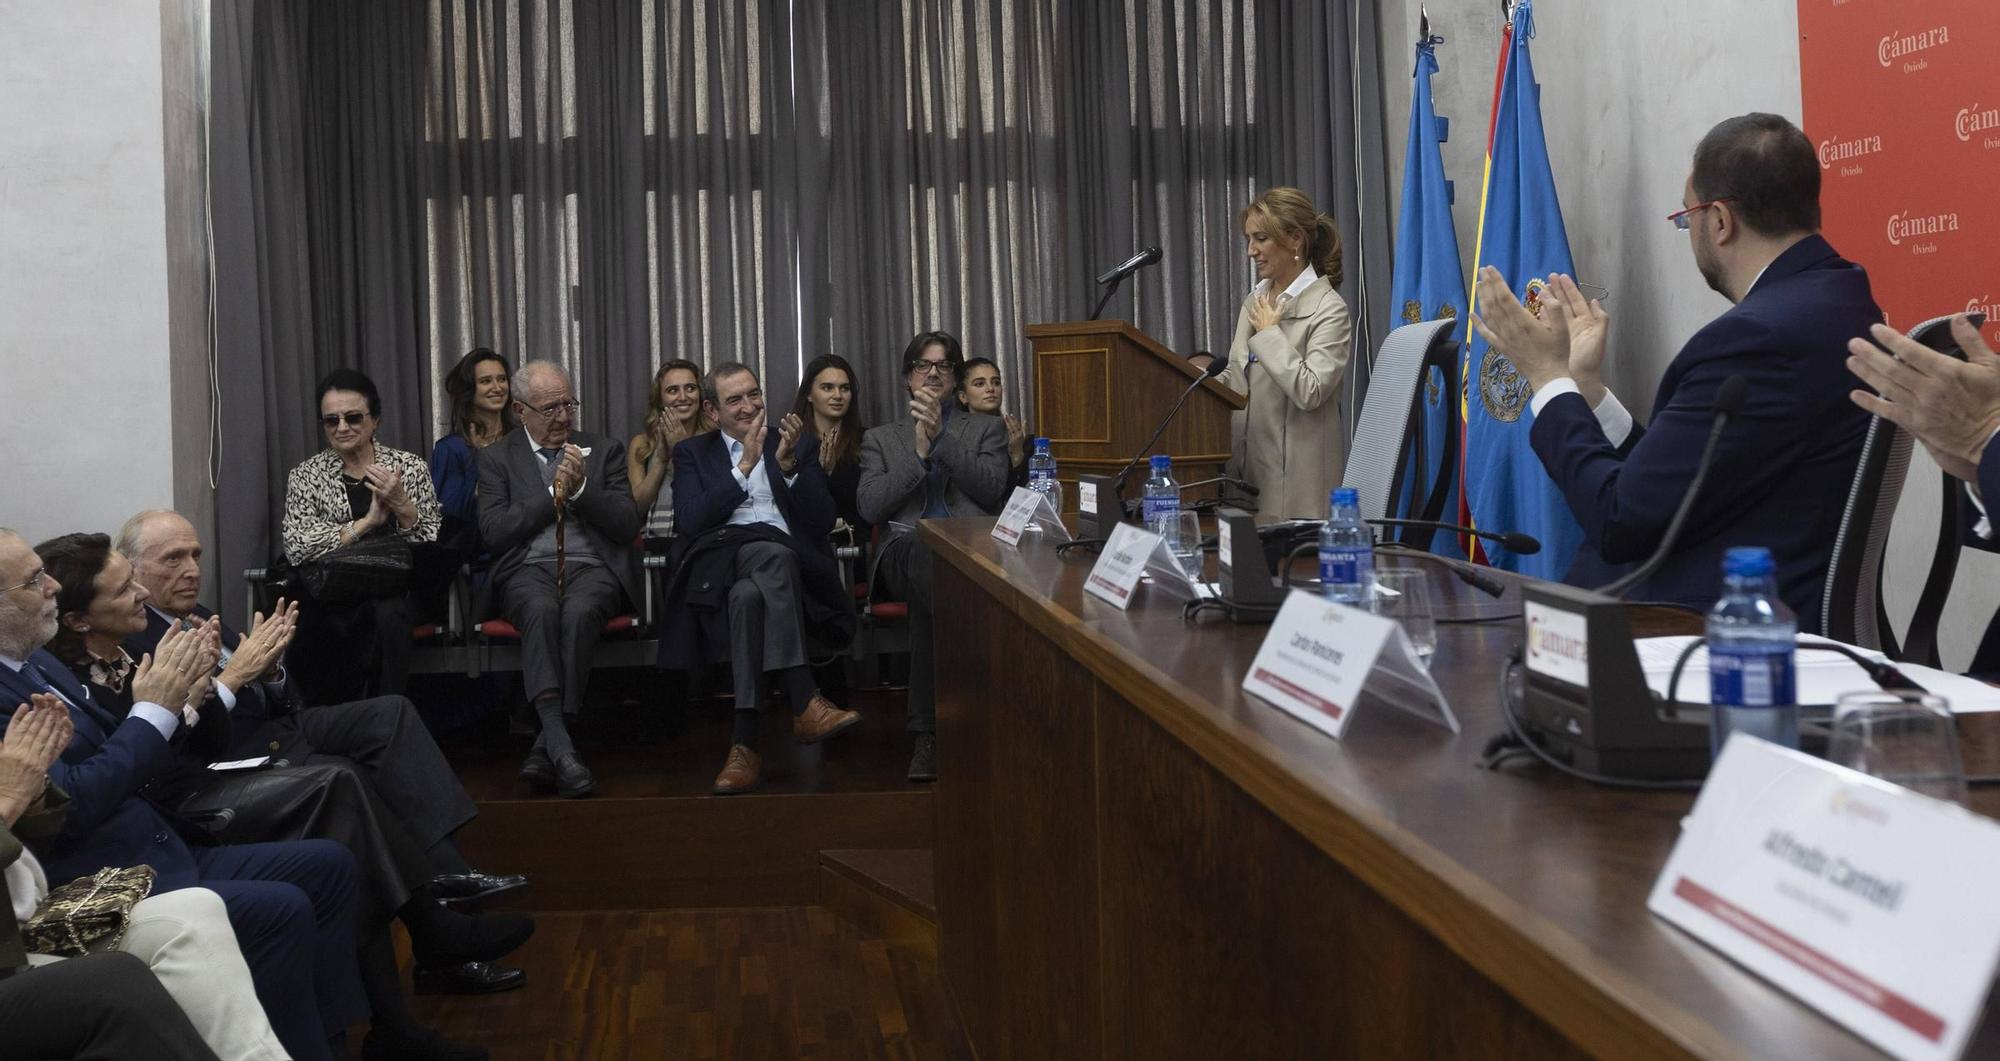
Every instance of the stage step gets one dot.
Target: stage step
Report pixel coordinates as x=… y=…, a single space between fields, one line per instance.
x=890 y=893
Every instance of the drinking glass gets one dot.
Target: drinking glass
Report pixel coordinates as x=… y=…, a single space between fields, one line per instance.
x=1184 y=540
x=1404 y=594
x=1901 y=736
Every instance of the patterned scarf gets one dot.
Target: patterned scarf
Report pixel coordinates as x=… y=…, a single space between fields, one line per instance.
x=111 y=673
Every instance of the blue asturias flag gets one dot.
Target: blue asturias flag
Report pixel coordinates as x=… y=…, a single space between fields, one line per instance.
x=1429 y=284
x=1521 y=234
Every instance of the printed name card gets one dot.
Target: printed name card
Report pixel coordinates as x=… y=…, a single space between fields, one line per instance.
x=1027 y=509
x=1870 y=903
x=1115 y=576
x=1320 y=656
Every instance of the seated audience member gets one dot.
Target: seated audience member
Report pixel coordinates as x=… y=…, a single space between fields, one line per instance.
x=97 y=1007
x=100 y=605
x=673 y=415
x=382 y=738
x=1953 y=408
x=183 y=936
x=481 y=414
x=356 y=639
x=291 y=904
x=829 y=404
x=933 y=465
x=554 y=501
x=981 y=392
x=756 y=576
x=1751 y=211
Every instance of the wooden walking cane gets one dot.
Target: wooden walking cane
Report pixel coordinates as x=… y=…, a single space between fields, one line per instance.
x=562 y=512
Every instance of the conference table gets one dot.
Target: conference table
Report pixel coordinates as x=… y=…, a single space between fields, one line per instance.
x=1137 y=859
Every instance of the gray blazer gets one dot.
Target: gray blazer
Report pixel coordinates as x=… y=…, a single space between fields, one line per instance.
x=973 y=450
x=514 y=506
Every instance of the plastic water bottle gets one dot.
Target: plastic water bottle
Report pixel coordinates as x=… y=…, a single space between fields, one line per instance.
x=1750 y=654
x=1042 y=474
x=1162 y=499
x=1346 y=550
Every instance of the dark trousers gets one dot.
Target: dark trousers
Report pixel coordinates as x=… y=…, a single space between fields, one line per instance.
x=766 y=626
x=325 y=801
x=349 y=650
x=386 y=742
x=292 y=906
x=905 y=573
x=559 y=634
x=99 y=1007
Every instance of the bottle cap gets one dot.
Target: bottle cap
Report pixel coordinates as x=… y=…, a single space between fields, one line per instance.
x=1346 y=495
x=1162 y=462
x=1041 y=445
x=1748 y=561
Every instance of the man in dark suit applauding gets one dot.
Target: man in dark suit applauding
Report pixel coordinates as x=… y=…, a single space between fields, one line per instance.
x=555 y=509
x=1953 y=408
x=1751 y=210
x=756 y=574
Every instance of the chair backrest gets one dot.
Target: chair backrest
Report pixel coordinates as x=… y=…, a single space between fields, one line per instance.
x=1378 y=458
x=1851 y=607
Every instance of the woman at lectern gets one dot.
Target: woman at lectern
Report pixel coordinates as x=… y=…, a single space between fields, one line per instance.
x=1289 y=356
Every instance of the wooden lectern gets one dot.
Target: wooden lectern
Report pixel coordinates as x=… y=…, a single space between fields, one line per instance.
x=1101 y=388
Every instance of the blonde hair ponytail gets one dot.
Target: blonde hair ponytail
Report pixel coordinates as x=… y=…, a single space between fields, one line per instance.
x=1291 y=212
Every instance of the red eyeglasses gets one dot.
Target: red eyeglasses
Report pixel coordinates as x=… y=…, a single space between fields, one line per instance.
x=1680 y=217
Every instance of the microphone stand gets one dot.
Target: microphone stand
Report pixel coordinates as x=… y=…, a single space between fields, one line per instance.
x=1118 y=481
x=1108 y=292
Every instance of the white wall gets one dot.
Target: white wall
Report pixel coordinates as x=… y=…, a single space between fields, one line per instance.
x=1627 y=90
x=83 y=271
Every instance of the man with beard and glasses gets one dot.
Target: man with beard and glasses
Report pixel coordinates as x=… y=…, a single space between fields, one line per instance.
x=1751 y=212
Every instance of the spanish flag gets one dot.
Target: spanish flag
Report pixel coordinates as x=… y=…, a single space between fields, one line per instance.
x=1521 y=233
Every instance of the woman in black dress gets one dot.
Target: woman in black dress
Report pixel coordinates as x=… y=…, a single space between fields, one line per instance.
x=829 y=401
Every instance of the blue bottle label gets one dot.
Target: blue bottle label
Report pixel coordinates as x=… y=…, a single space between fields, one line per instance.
x=1751 y=679
x=1339 y=566
x=1157 y=508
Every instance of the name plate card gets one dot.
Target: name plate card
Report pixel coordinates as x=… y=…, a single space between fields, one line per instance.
x=1115 y=576
x=1868 y=902
x=1027 y=509
x=1320 y=656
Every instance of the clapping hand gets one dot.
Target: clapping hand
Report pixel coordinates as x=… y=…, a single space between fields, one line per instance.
x=569 y=470
x=1264 y=311
x=169 y=672
x=829 y=441
x=928 y=417
x=788 y=440
x=1017 y=439
x=258 y=652
x=37 y=733
x=753 y=444
x=1952 y=406
x=1539 y=346
x=391 y=499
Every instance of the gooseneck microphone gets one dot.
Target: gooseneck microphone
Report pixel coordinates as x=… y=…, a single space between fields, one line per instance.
x=1513 y=541
x=1728 y=400
x=1215 y=368
x=1149 y=256
x=1469 y=574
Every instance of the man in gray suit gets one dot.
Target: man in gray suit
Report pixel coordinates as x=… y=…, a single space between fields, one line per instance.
x=940 y=462
x=521 y=478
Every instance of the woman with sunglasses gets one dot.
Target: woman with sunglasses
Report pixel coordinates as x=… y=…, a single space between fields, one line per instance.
x=355 y=490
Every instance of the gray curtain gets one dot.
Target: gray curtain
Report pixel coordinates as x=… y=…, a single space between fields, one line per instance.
x=611 y=183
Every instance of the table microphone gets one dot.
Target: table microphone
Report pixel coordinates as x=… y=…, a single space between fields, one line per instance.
x=1467 y=573
x=1728 y=400
x=1215 y=368
x=1513 y=541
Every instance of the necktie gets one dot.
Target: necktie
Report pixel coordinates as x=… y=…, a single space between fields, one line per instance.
x=40 y=681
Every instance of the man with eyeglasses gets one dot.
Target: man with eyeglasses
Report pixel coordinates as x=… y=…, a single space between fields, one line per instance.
x=1784 y=463
x=556 y=511
x=940 y=462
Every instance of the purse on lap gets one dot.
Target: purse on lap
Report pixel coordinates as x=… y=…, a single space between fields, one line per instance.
x=87 y=910
x=377 y=567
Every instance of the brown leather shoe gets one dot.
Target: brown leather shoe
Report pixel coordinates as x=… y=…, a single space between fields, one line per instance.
x=821 y=719
x=741 y=773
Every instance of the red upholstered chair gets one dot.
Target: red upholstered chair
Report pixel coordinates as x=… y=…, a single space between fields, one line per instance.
x=882 y=627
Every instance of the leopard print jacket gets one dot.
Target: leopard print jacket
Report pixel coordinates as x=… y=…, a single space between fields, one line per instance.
x=316 y=502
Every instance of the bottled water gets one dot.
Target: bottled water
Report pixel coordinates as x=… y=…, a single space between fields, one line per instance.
x=1162 y=499
x=1346 y=550
x=1750 y=654
x=1042 y=474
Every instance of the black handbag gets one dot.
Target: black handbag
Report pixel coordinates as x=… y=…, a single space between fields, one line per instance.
x=376 y=567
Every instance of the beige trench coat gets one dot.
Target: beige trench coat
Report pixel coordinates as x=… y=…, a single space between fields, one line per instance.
x=1294 y=447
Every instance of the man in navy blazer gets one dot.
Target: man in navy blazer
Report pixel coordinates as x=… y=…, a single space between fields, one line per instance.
x=1784 y=463
x=1953 y=408
x=292 y=904
x=756 y=574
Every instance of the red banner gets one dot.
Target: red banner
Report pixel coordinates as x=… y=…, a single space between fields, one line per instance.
x=1902 y=101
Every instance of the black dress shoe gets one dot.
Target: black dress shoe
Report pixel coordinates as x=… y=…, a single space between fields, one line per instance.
x=471 y=938
x=454 y=889
x=469 y=978
x=417 y=1044
x=537 y=770
x=573 y=780
x=923 y=762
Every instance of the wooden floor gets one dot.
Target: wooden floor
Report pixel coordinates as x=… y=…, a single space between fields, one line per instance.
x=788 y=982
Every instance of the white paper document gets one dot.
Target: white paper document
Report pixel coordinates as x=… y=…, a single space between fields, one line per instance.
x=1822 y=677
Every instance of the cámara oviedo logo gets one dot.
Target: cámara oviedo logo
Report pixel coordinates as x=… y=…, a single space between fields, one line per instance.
x=1894 y=46
x=1984 y=304
x=1975 y=119
x=1905 y=225
x=1832 y=151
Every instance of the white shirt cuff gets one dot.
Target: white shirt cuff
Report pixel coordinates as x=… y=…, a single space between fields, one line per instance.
x=223 y=694
x=1611 y=413
x=158 y=717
